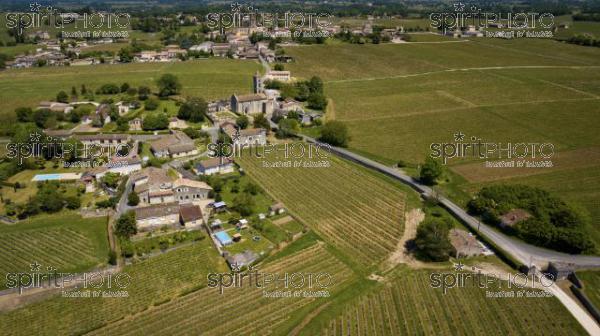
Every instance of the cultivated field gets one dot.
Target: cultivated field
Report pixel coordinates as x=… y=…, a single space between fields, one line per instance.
x=65 y=242
x=209 y=79
x=399 y=99
x=409 y=306
x=350 y=208
x=238 y=311
x=154 y=281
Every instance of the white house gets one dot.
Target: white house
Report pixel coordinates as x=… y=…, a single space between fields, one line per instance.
x=212 y=166
x=156 y=216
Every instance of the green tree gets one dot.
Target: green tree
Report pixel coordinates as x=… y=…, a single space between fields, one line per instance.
x=24 y=114
x=168 y=84
x=288 y=127
x=155 y=121
x=194 y=110
x=278 y=67
x=317 y=101
x=335 y=133
x=432 y=241
x=62 y=97
x=143 y=92
x=242 y=122
x=244 y=204
x=125 y=226
x=260 y=121
x=133 y=199
x=72 y=202
x=431 y=171
x=111 y=180
x=151 y=104
x=124 y=87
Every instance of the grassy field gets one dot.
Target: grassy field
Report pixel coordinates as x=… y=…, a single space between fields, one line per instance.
x=64 y=241
x=243 y=310
x=399 y=99
x=209 y=79
x=409 y=306
x=591 y=285
x=153 y=281
x=353 y=210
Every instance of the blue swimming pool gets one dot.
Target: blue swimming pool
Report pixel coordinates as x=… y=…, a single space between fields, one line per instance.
x=46 y=177
x=223 y=238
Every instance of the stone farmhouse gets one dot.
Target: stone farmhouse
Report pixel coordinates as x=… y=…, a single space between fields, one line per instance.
x=174 y=145
x=218 y=165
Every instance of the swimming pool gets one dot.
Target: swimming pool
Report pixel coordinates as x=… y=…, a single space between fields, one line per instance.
x=223 y=238
x=46 y=177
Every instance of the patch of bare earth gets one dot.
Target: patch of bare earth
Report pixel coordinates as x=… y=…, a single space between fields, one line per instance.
x=283 y=220
x=401 y=255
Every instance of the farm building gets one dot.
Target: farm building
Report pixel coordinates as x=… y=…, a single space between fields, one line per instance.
x=276 y=208
x=219 y=206
x=155 y=216
x=190 y=215
x=187 y=190
x=218 y=165
x=245 y=258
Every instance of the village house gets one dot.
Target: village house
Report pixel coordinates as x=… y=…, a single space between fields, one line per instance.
x=249 y=136
x=173 y=145
x=190 y=216
x=218 y=165
x=135 y=124
x=103 y=113
x=176 y=123
x=104 y=140
x=205 y=47
x=220 y=49
x=156 y=216
x=251 y=103
x=122 y=108
x=153 y=186
x=276 y=209
x=187 y=190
